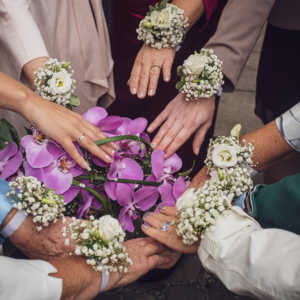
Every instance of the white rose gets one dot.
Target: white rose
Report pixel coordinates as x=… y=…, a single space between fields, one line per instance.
x=186 y=199
x=195 y=64
x=61 y=82
x=162 y=19
x=109 y=227
x=224 y=156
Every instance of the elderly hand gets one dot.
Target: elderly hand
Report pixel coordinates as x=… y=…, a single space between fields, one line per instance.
x=144 y=76
x=181 y=119
x=170 y=237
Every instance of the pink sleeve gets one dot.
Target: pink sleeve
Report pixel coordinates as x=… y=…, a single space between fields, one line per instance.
x=210 y=6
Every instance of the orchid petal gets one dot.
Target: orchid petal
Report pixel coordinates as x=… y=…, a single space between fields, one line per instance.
x=179 y=187
x=75 y=172
x=137 y=126
x=145 y=136
x=124 y=194
x=99 y=162
x=54 y=150
x=71 y=193
x=174 y=161
x=151 y=178
x=110 y=188
x=94 y=115
x=146 y=197
x=115 y=166
x=38 y=155
x=85 y=207
x=166 y=192
x=10 y=150
x=26 y=140
x=123 y=128
x=38 y=173
x=125 y=219
x=132 y=170
x=157 y=161
x=110 y=123
x=12 y=165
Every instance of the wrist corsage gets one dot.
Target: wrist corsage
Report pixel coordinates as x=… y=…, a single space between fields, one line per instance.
x=100 y=241
x=37 y=200
x=54 y=83
x=200 y=75
x=230 y=178
x=163 y=27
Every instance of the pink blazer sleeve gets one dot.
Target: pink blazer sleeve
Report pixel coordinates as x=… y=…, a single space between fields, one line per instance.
x=19 y=33
x=210 y=6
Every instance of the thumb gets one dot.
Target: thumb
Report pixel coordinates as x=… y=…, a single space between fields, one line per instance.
x=158 y=260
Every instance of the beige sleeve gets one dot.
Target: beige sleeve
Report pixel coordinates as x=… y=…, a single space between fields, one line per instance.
x=19 y=33
x=239 y=28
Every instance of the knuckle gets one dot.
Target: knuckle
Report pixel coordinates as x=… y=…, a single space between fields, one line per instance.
x=178 y=139
x=166 y=127
x=191 y=125
x=171 y=134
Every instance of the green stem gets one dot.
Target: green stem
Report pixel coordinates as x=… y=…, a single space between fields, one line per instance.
x=121 y=138
x=100 y=178
x=105 y=204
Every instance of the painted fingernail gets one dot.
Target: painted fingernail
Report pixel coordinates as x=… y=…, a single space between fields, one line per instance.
x=162 y=207
x=86 y=166
x=167 y=78
x=108 y=158
x=197 y=150
x=153 y=145
x=148 y=214
x=151 y=92
x=150 y=128
x=141 y=94
x=113 y=152
x=133 y=91
x=115 y=145
x=144 y=226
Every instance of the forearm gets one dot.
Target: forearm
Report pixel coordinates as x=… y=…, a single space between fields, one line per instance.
x=193 y=9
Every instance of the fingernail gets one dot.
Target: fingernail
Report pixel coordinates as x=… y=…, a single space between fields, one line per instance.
x=148 y=214
x=141 y=94
x=153 y=145
x=133 y=91
x=144 y=226
x=167 y=78
x=86 y=166
x=108 y=158
x=150 y=128
x=197 y=150
x=113 y=152
x=151 y=92
x=115 y=145
x=162 y=207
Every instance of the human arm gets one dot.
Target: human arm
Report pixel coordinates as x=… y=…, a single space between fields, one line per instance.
x=55 y=121
x=143 y=77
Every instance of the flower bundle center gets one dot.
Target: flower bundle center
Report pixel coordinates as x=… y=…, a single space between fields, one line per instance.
x=65 y=164
x=38 y=136
x=226 y=155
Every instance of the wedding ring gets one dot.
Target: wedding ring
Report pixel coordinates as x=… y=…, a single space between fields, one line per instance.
x=155 y=66
x=81 y=138
x=166 y=226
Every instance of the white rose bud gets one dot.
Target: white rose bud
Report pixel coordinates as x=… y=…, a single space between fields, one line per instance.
x=61 y=82
x=162 y=19
x=224 y=156
x=109 y=227
x=195 y=64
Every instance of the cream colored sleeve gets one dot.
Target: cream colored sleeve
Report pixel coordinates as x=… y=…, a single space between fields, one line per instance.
x=28 y=280
x=19 y=33
x=251 y=261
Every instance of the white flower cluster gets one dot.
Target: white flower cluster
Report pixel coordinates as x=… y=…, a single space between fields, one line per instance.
x=163 y=28
x=230 y=178
x=37 y=200
x=200 y=75
x=100 y=240
x=54 y=82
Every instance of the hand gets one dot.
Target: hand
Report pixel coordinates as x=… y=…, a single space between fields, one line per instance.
x=169 y=238
x=144 y=255
x=65 y=127
x=28 y=70
x=142 y=74
x=181 y=119
x=199 y=179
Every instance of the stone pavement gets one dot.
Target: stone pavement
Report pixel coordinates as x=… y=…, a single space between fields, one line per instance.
x=190 y=281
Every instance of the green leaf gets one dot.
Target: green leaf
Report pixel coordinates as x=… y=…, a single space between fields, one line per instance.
x=122 y=138
x=179 y=85
x=157 y=5
x=9 y=248
x=147 y=168
x=148 y=14
x=151 y=9
x=196 y=80
x=147 y=25
x=162 y=4
x=57 y=68
x=182 y=79
x=74 y=100
x=8 y=134
x=92 y=177
x=28 y=130
x=187 y=173
x=66 y=65
x=69 y=106
x=180 y=71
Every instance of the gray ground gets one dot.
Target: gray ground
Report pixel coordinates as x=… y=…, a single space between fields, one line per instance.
x=190 y=281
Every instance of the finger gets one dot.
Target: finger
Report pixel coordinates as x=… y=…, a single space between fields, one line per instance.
x=157 y=234
x=68 y=145
x=160 y=119
x=144 y=80
x=135 y=77
x=167 y=66
x=154 y=247
x=168 y=211
x=199 y=138
x=89 y=145
x=162 y=132
x=158 y=260
x=156 y=220
x=154 y=76
x=128 y=82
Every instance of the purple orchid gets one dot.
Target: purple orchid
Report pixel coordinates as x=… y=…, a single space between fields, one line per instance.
x=10 y=160
x=60 y=173
x=98 y=117
x=143 y=199
x=40 y=150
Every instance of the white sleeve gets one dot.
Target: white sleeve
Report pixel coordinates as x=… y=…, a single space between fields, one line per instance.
x=251 y=261
x=28 y=280
x=19 y=33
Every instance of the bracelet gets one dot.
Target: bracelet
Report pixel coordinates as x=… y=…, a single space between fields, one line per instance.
x=163 y=27
x=201 y=76
x=14 y=224
x=105 y=278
